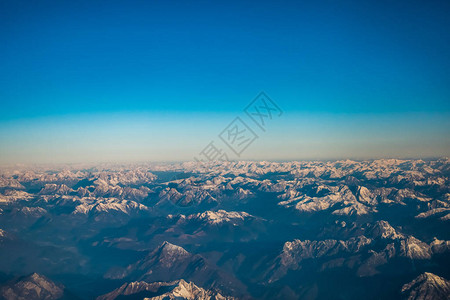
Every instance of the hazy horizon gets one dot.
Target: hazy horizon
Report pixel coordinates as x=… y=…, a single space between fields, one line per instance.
x=131 y=138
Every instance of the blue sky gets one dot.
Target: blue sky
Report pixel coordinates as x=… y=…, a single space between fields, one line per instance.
x=156 y=80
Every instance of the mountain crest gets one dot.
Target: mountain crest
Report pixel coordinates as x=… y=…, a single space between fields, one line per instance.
x=167 y=248
x=384 y=230
x=427 y=286
x=34 y=286
x=179 y=289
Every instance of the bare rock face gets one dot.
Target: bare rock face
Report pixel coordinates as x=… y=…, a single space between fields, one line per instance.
x=427 y=286
x=31 y=287
x=178 y=289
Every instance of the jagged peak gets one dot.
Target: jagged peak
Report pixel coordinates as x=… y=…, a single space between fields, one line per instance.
x=178 y=289
x=384 y=230
x=36 y=277
x=430 y=277
x=427 y=286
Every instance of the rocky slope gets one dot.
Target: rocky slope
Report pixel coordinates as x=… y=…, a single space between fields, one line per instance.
x=179 y=289
x=427 y=286
x=34 y=286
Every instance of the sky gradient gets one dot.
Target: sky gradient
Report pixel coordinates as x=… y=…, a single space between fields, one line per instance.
x=158 y=80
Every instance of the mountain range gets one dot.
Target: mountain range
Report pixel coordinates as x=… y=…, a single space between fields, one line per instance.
x=375 y=229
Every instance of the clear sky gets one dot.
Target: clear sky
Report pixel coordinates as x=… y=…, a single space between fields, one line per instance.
x=158 y=80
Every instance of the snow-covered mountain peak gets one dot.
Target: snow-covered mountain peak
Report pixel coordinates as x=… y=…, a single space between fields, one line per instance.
x=168 y=253
x=220 y=216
